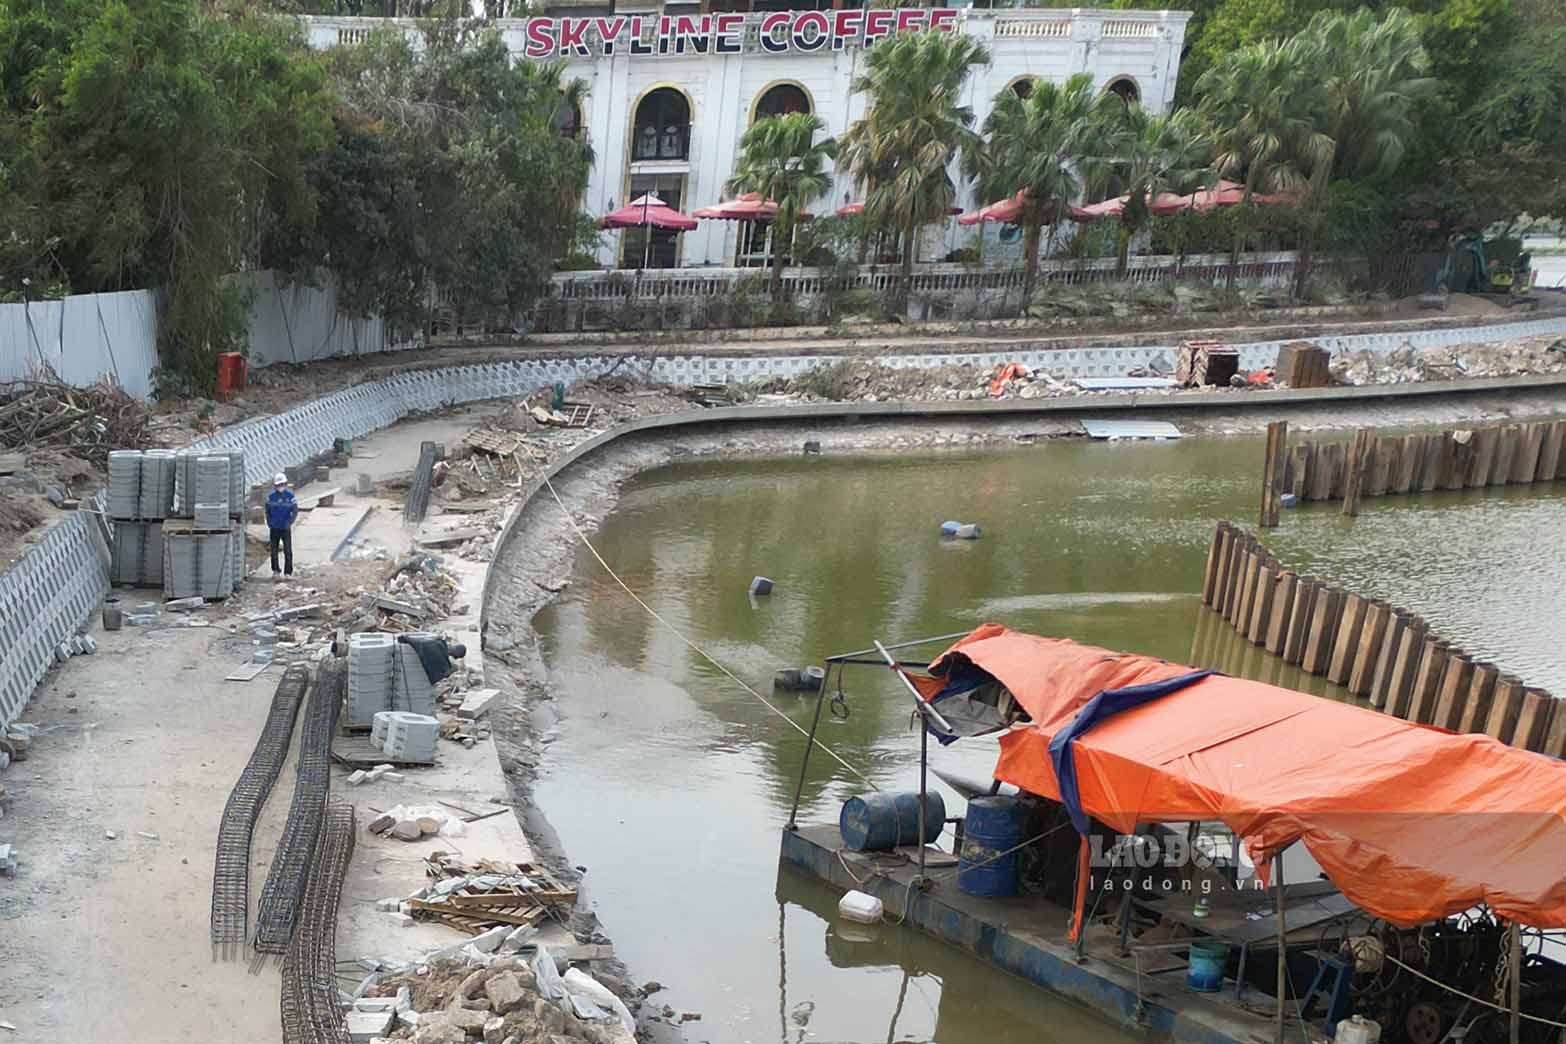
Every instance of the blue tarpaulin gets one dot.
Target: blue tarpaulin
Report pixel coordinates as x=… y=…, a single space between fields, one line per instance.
x=1105 y=705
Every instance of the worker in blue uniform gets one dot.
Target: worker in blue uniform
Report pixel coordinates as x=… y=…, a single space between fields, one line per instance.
x=281 y=511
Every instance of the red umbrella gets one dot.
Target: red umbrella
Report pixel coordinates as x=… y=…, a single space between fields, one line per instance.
x=749 y=207
x=859 y=208
x=1008 y=211
x=1226 y=194
x=648 y=210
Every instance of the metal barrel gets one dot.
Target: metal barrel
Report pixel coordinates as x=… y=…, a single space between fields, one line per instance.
x=994 y=825
x=876 y=822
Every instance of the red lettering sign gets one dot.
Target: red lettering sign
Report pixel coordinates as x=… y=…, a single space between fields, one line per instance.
x=846 y=26
x=878 y=23
x=781 y=31
x=909 y=19
x=540 y=44
x=770 y=41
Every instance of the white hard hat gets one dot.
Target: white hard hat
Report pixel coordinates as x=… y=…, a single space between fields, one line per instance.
x=280 y=479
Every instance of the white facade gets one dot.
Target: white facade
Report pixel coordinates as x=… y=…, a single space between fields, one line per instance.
x=1131 y=50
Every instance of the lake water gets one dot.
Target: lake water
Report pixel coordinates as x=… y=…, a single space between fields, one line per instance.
x=670 y=782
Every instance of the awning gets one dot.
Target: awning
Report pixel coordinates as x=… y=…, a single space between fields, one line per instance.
x=648 y=210
x=1412 y=823
x=749 y=207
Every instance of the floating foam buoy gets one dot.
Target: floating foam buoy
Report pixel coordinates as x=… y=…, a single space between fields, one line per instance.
x=760 y=586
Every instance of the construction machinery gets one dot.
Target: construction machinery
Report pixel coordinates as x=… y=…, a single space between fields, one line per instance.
x=1466 y=270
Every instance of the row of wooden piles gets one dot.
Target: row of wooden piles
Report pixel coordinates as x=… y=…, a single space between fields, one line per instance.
x=1372 y=465
x=1379 y=652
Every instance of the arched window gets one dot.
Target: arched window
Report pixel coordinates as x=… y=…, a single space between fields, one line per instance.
x=662 y=126
x=1127 y=90
x=1022 y=87
x=781 y=99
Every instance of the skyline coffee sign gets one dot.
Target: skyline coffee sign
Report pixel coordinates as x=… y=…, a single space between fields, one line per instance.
x=777 y=32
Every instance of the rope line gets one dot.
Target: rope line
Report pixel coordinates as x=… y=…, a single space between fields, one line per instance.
x=698 y=650
x=1468 y=996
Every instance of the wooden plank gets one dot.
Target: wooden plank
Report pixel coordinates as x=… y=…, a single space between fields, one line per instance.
x=1530 y=441
x=1339 y=468
x=1261 y=605
x=1354 y=470
x=1242 y=611
x=1446 y=460
x=1305 y=590
x=1550 y=452
x=1382 y=459
x=1481 y=693
x=1372 y=635
x=1462 y=459
x=1345 y=646
x=1555 y=736
x=1427 y=682
x=1282 y=610
x=1533 y=722
x=1505 y=708
x=1483 y=456
x=1273 y=466
x=1214 y=554
x=1454 y=690
x=1299 y=471
x=1381 y=684
x=1236 y=563
x=1429 y=462
x=1407 y=463
x=1323 y=628
x=1505 y=450
x=1405 y=667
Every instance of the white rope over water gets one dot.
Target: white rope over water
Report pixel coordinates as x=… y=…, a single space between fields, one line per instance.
x=698 y=650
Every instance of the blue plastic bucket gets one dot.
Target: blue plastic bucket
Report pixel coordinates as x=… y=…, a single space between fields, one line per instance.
x=1208 y=959
x=994 y=825
x=876 y=822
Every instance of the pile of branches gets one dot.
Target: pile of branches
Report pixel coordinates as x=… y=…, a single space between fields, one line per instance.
x=87 y=422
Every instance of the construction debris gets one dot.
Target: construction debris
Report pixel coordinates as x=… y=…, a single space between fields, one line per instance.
x=489 y=899
x=1407 y=364
x=87 y=422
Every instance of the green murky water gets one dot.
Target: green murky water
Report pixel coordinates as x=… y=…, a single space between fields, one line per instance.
x=670 y=783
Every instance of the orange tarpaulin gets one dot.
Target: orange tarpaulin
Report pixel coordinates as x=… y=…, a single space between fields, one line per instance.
x=1412 y=823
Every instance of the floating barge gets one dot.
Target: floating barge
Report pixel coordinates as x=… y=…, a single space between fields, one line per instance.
x=1413 y=922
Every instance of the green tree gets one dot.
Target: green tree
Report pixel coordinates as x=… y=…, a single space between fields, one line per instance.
x=781 y=160
x=916 y=127
x=1149 y=155
x=1042 y=147
x=1260 y=103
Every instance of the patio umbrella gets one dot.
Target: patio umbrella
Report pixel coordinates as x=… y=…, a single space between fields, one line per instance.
x=749 y=207
x=648 y=212
x=651 y=211
x=1169 y=201
x=1007 y=211
x=1225 y=194
x=859 y=208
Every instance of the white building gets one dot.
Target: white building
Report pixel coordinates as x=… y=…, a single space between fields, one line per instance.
x=671 y=91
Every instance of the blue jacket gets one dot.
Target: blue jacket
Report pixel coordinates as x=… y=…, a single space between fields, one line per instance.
x=281 y=509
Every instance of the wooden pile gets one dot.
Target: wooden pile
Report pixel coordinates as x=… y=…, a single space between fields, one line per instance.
x=1379 y=652
x=87 y=422
x=475 y=897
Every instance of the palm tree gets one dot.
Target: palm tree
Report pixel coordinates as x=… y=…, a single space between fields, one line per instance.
x=782 y=162
x=916 y=126
x=1261 y=102
x=1150 y=155
x=1043 y=147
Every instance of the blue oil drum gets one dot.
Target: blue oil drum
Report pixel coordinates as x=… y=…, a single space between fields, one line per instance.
x=877 y=822
x=1207 y=961
x=994 y=824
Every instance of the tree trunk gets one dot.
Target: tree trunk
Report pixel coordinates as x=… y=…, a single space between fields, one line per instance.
x=905 y=284
x=777 y=270
x=1239 y=232
x=1030 y=254
x=1123 y=249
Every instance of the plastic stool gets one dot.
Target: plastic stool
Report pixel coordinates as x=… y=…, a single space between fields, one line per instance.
x=1337 y=997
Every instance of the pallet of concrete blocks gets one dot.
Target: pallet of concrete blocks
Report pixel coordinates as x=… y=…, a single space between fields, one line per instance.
x=371 y=669
x=137 y=555
x=412 y=689
x=407 y=737
x=196 y=564
x=209 y=476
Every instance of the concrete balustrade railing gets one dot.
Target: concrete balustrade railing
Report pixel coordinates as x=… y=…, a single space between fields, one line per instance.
x=52 y=590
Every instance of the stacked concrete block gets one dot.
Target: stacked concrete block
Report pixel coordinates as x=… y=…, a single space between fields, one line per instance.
x=197 y=565
x=409 y=737
x=137 y=555
x=412 y=690
x=124 y=483
x=372 y=659
x=155 y=498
